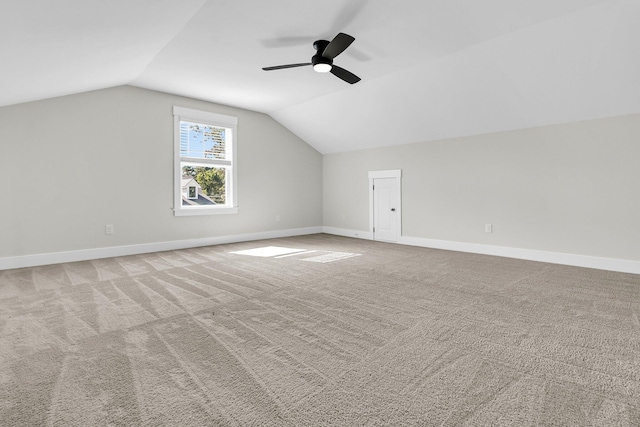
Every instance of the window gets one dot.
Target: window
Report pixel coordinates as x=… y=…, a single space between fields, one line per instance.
x=204 y=163
x=193 y=193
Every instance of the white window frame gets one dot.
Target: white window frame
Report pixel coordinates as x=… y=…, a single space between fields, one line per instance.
x=231 y=196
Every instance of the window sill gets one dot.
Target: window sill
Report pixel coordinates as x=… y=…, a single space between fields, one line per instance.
x=204 y=211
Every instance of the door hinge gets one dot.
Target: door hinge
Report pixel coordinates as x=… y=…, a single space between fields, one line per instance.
x=374 y=188
x=374 y=229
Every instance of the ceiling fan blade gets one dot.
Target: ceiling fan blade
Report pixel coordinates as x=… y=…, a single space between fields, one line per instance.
x=337 y=45
x=280 y=67
x=345 y=75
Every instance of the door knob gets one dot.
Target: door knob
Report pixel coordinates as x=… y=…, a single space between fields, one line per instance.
x=393 y=209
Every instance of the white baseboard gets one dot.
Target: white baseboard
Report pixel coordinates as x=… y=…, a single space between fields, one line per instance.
x=115 y=251
x=348 y=233
x=600 y=263
x=612 y=264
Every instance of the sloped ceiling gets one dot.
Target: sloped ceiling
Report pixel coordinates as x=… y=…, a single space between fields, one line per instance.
x=430 y=69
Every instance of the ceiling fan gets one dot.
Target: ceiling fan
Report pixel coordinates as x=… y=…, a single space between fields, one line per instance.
x=322 y=61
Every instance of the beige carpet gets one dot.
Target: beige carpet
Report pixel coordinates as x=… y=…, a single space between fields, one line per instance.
x=343 y=332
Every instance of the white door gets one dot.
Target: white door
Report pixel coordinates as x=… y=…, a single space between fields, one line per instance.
x=384 y=209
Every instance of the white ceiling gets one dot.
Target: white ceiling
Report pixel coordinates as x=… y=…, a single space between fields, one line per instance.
x=430 y=69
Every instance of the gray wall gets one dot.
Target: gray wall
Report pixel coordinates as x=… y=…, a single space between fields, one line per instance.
x=70 y=165
x=571 y=188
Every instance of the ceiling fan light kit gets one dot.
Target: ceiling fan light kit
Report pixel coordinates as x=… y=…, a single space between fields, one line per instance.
x=322 y=61
x=322 y=68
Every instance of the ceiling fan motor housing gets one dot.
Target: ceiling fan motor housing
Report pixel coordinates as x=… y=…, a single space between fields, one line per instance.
x=318 y=58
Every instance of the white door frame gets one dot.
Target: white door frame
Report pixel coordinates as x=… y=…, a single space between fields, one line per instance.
x=394 y=173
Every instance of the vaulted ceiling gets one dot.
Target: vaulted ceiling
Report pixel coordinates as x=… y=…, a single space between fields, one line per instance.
x=430 y=69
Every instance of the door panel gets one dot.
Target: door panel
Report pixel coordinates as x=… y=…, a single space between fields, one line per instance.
x=384 y=209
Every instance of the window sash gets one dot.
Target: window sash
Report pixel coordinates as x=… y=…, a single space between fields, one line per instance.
x=209 y=141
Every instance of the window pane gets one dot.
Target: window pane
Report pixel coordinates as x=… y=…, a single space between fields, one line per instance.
x=210 y=185
x=202 y=141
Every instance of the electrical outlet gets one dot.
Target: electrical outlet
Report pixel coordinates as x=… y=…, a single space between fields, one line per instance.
x=488 y=228
x=277 y=218
x=108 y=229
x=344 y=217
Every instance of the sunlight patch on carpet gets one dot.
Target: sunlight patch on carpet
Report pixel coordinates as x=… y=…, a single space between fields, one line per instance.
x=330 y=257
x=268 y=251
x=298 y=254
